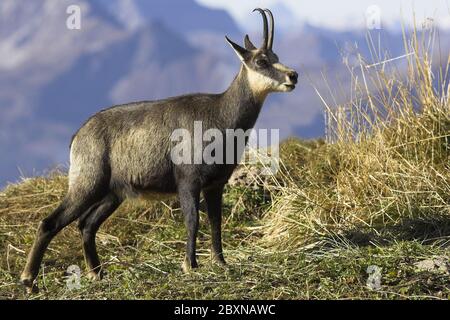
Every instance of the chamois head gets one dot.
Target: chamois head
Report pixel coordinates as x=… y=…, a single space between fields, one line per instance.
x=265 y=72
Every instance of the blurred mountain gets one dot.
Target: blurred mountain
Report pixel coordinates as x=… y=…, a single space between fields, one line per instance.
x=35 y=48
x=185 y=15
x=91 y=81
x=52 y=79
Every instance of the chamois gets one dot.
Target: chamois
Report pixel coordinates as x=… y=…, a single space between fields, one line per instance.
x=125 y=152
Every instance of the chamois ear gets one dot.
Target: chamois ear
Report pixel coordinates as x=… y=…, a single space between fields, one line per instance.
x=248 y=44
x=242 y=53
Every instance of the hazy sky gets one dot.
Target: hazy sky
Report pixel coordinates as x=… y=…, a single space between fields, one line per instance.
x=342 y=14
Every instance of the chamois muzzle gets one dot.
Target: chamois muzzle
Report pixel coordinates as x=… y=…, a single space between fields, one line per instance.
x=293 y=77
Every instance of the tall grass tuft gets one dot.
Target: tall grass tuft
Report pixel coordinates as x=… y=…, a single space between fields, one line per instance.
x=384 y=170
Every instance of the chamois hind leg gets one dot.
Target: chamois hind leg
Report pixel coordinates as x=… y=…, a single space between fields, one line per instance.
x=89 y=224
x=69 y=210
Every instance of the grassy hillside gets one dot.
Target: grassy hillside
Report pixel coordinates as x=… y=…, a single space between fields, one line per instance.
x=373 y=196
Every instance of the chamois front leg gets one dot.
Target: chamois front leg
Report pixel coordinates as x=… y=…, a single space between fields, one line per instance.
x=189 y=195
x=213 y=198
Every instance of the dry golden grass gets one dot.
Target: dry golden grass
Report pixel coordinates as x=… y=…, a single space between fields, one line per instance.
x=385 y=168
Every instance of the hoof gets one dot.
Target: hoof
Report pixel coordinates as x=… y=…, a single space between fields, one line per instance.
x=187 y=266
x=30 y=286
x=94 y=276
x=219 y=260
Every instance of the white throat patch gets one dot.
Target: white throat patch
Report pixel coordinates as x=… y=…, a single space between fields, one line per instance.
x=260 y=84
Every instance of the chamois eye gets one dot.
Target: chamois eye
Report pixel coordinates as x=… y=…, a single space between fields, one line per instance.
x=262 y=63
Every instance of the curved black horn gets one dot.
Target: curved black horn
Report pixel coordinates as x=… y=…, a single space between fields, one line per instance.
x=272 y=29
x=266 y=28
